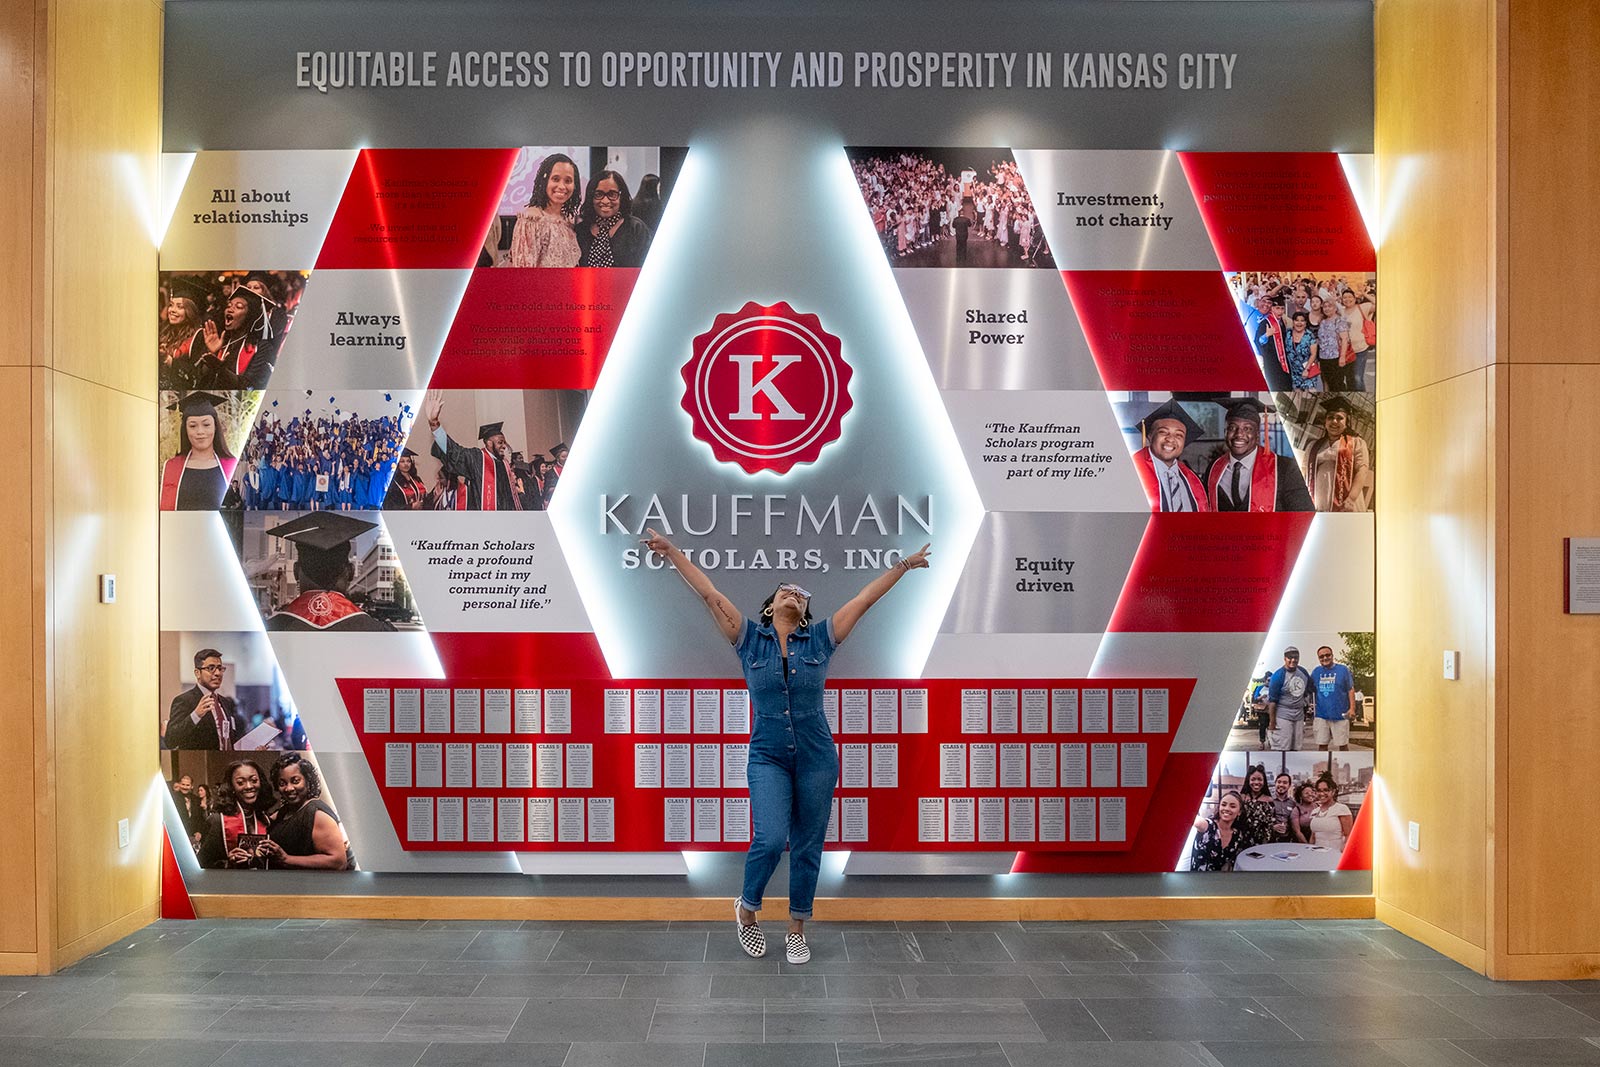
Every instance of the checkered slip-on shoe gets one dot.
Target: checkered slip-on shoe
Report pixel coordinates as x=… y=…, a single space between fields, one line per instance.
x=751 y=939
x=795 y=949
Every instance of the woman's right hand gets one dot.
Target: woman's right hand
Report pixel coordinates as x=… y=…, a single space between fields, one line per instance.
x=656 y=543
x=212 y=338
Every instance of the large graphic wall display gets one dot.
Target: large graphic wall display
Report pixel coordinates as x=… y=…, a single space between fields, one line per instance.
x=420 y=414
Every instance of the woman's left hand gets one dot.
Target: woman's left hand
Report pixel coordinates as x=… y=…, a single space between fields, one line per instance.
x=270 y=849
x=919 y=558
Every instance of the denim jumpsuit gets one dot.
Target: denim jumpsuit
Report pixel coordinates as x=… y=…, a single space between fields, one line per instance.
x=793 y=763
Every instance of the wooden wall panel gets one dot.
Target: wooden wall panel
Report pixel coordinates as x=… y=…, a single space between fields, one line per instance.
x=18 y=870
x=104 y=656
x=1434 y=128
x=106 y=136
x=17 y=209
x=1435 y=134
x=1553 y=733
x=1435 y=538
x=1553 y=197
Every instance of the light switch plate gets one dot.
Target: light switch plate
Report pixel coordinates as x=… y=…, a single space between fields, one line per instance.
x=108 y=589
x=122 y=833
x=1452 y=665
x=1414 y=836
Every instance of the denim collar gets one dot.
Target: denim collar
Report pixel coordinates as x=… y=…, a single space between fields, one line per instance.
x=803 y=634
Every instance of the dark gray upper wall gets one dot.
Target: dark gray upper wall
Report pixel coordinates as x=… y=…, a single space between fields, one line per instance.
x=1303 y=79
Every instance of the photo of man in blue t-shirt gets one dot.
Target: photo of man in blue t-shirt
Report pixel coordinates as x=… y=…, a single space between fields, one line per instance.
x=1335 y=699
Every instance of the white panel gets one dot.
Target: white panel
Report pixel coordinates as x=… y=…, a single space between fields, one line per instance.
x=1219 y=662
x=312 y=661
x=351 y=324
x=313 y=182
x=202 y=582
x=1332 y=586
x=544 y=580
x=1045 y=422
x=1178 y=242
x=1012 y=656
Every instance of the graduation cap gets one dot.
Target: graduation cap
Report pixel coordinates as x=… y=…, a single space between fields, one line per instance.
x=1335 y=403
x=194 y=405
x=489 y=429
x=261 y=309
x=267 y=282
x=188 y=289
x=559 y=446
x=1170 y=410
x=408 y=452
x=323 y=531
x=1247 y=408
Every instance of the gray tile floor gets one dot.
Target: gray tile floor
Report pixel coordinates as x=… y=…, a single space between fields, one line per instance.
x=414 y=994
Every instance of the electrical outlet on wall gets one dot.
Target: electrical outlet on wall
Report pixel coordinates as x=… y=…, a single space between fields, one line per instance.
x=1414 y=836
x=122 y=833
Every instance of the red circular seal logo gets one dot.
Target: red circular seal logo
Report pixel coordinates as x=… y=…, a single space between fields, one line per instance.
x=766 y=387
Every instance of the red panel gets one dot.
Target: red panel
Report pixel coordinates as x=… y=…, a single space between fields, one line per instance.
x=1173 y=804
x=525 y=655
x=892 y=821
x=1215 y=572
x=1358 y=849
x=534 y=328
x=1289 y=210
x=416 y=208
x=1172 y=330
x=175 y=902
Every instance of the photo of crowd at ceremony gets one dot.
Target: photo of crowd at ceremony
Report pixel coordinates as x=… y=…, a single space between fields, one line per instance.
x=550 y=215
x=950 y=207
x=1312 y=331
x=268 y=812
x=200 y=438
x=1212 y=452
x=323 y=570
x=1278 y=811
x=221 y=330
x=222 y=692
x=322 y=452
x=1318 y=692
x=480 y=450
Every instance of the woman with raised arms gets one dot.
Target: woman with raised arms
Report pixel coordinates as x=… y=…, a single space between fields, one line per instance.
x=793 y=764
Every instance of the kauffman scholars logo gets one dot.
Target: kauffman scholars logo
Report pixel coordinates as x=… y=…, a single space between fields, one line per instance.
x=766 y=387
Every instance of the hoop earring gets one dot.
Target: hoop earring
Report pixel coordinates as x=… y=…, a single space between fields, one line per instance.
x=766 y=613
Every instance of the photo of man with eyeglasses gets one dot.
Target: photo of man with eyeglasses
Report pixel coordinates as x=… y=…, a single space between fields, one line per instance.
x=201 y=717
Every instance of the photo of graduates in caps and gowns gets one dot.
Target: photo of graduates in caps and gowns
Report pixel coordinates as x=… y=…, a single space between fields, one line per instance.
x=222 y=330
x=486 y=450
x=1199 y=452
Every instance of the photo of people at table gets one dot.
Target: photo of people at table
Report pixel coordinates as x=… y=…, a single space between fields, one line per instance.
x=222 y=330
x=1312 y=691
x=1312 y=331
x=487 y=450
x=581 y=206
x=950 y=207
x=1278 y=811
x=267 y=811
x=1198 y=452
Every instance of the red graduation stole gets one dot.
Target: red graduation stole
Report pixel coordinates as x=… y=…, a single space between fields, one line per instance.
x=1276 y=330
x=410 y=489
x=1144 y=463
x=489 y=498
x=320 y=608
x=172 y=478
x=1263 y=480
x=246 y=354
x=463 y=494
